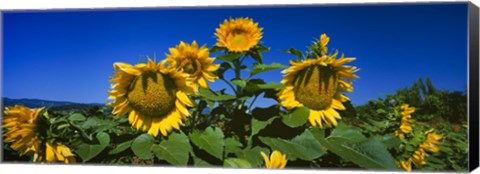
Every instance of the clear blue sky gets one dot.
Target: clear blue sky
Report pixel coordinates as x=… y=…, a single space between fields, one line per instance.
x=68 y=55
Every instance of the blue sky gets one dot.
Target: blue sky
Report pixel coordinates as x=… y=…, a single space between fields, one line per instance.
x=69 y=55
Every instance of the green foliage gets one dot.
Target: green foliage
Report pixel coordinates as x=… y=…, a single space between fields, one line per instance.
x=210 y=140
x=303 y=146
x=175 y=149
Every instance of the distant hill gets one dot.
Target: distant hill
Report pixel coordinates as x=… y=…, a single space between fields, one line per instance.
x=36 y=103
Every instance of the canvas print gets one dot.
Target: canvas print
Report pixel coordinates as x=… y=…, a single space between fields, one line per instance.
x=319 y=87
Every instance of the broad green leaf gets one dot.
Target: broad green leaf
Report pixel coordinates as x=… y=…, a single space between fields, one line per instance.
x=91 y=122
x=142 y=146
x=103 y=138
x=214 y=97
x=89 y=151
x=232 y=146
x=258 y=68
x=230 y=56
x=253 y=155
x=258 y=125
x=367 y=153
x=77 y=117
x=303 y=146
x=240 y=82
x=391 y=141
x=121 y=147
x=211 y=140
x=236 y=163
x=298 y=117
x=346 y=134
x=175 y=149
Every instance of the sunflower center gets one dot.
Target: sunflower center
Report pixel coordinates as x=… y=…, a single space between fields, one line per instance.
x=239 y=39
x=191 y=66
x=315 y=86
x=152 y=94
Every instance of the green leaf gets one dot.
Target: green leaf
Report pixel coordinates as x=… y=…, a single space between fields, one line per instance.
x=77 y=117
x=258 y=125
x=175 y=149
x=346 y=134
x=88 y=151
x=103 y=138
x=271 y=85
x=298 y=117
x=240 y=82
x=253 y=155
x=232 y=145
x=391 y=141
x=230 y=56
x=294 y=52
x=217 y=49
x=236 y=163
x=211 y=140
x=121 y=147
x=381 y=111
x=142 y=146
x=258 y=68
x=367 y=153
x=198 y=162
x=206 y=93
x=303 y=146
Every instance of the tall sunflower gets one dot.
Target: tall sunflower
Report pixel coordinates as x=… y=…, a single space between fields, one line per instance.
x=406 y=122
x=277 y=160
x=154 y=96
x=238 y=35
x=317 y=84
x=26 y=130
x=194 y=61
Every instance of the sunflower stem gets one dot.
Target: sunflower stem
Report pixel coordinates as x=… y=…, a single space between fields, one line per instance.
x=229 y=84
x=251 y=104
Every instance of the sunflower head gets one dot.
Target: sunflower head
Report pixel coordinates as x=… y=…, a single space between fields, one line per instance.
x=27 y=131
x=277 y=160
x=154 y=96
x=193 y=61
x=318 y=84
x=238 y=35
x=21 y=124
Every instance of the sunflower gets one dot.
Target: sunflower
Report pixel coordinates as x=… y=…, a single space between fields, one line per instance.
x=406 y=122
x=432 y=141
x=277 y=160
x=21 y=125
x=430 y=144
x=194 y=61
x=26 y=131
x=238 y=35
x=154 y=96
x=318 y=84
x=59 y=152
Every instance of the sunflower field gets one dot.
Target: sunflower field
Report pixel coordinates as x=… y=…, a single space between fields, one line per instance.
x=165 y=113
